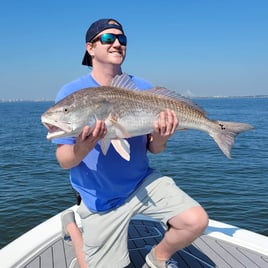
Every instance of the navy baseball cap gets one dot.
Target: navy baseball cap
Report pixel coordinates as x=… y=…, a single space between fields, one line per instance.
x=94 y=29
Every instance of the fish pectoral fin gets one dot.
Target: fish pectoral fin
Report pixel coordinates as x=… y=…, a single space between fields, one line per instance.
x=123 y=133
x=122 y=147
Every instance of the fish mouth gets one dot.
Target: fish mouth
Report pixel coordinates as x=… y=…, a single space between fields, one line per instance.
x=56 y=129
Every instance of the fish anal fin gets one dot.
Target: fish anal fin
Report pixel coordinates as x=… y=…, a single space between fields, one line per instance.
x=122 y=147
x=105 y=144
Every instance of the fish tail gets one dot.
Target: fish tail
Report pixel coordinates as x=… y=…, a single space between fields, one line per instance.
x=225 y=134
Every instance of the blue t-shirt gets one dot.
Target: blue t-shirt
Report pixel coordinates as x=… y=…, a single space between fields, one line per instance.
x=104 y=182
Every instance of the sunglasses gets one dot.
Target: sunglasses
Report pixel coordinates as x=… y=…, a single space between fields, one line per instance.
x=109 y=38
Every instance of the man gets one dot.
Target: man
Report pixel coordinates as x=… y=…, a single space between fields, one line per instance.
x=113 y=189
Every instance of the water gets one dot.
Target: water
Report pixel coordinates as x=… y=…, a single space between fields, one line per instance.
x=33 y=187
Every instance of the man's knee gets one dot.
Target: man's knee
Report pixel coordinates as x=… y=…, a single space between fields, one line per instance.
x=194 y=220
x=200 y=220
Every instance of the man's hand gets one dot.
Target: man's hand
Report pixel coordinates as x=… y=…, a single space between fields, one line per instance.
x=97 y=132
x=70 y=155
x=164 y=128
x=89 y=137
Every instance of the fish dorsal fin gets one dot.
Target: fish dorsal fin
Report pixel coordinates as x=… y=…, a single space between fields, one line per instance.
x=123 y=81
x=164 y=92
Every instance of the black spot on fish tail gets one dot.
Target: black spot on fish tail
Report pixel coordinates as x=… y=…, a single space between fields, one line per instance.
x=222 y=126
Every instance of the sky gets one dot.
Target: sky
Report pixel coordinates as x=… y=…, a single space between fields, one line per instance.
x=195 y=47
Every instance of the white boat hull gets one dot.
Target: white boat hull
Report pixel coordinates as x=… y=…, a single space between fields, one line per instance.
x=25 y=248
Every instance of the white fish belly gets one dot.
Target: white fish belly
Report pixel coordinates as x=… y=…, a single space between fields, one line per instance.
x=135 y=125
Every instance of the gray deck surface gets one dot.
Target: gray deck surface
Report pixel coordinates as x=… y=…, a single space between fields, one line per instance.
x=204 y=252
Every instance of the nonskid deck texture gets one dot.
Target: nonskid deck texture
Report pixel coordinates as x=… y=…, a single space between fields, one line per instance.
x=144 y=234
x=206 y=251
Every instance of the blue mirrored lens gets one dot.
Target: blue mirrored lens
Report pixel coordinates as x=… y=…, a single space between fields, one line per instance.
x=122 y=39
x=109 y=38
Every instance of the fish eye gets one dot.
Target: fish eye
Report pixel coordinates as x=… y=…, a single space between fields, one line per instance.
x=65 y=110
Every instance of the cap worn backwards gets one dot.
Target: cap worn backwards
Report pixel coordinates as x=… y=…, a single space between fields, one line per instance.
x=95 y=28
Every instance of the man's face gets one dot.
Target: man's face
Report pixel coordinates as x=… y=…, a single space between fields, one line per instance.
x=102 y=53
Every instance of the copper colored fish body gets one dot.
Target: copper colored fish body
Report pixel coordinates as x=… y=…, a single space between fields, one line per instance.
x=129 y=112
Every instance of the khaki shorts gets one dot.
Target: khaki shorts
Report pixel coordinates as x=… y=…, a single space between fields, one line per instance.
x=105 y=234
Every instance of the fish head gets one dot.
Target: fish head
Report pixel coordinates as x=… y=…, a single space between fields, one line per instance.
x=68 y=117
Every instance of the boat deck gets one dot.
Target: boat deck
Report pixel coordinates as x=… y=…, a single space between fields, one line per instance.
x=206 y=251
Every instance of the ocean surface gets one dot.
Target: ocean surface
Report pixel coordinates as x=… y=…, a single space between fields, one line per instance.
x=33 y=187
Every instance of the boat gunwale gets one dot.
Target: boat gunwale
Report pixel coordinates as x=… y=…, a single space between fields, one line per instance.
x=20 y=251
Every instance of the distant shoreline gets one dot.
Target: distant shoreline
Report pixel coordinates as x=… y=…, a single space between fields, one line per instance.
x=195 y=97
